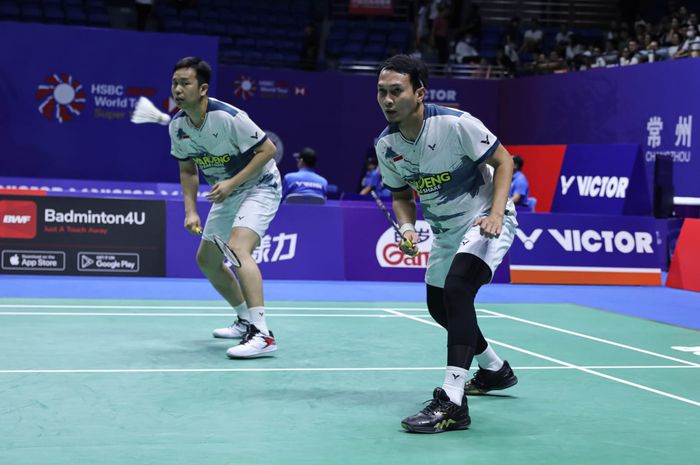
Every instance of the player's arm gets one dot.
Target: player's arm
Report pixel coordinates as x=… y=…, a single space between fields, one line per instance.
x=261 y=155
x=404 y=205
x=502 y=162
x=189 y=180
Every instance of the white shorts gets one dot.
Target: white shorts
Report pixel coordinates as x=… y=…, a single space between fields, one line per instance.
x=252 y=208
x=468 y=240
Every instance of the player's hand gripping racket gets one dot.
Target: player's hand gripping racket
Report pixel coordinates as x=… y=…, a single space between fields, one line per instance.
x=407 y=246
x=224 y=248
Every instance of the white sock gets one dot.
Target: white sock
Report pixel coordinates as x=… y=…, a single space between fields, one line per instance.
x=242 y=311
x=488 y=360
x=455 y=378
x=257 y=318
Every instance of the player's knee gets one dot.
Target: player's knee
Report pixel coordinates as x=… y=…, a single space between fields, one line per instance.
x=458 y=289
x=208 y=262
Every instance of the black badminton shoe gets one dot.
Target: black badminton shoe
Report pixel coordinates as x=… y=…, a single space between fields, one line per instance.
x=440 y=415
x=487 y=380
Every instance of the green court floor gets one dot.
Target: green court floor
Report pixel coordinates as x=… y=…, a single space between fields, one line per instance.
x=142 y=382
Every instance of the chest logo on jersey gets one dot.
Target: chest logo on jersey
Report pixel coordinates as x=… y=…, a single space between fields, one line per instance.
x=182 y=134
x=208 y=161
x=393 y=155
x=430 y=183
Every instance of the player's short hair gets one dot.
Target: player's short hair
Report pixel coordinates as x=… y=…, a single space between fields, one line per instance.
x=518 y=161
x=201 y=68
x=405 y=64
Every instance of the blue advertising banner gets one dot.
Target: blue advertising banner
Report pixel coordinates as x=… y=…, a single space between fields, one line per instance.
x=335 y=114
x=302 y=242
x=603 y=180
x=585 y=249
x=649 y=105
x=70 y=92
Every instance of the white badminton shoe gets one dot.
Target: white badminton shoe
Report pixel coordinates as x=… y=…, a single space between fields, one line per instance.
x=237 y=330
x=254 y=344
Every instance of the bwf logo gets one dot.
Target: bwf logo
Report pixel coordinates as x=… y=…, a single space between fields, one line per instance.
x=18 y=219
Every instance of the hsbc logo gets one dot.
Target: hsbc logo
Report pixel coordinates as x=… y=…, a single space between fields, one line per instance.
x=18 y=219
x=592 y=241
x=596 y=186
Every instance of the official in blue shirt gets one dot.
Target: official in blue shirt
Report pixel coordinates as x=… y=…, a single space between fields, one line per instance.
x=519 y=187
x=304 y=182
x=372 y=181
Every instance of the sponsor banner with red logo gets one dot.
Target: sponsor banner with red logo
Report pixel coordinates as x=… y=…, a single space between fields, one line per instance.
x=81 y=236
x=370 y=7
x=585 y=249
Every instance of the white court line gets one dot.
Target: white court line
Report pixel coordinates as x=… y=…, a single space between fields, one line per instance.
x=329 y=369
x=202 y=307
x=218 y=315
x=566 y=364
x=592 y=338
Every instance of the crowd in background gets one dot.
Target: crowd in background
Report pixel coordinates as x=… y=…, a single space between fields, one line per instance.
x=449 y=33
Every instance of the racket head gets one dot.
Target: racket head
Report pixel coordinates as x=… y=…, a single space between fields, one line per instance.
x=227 y=251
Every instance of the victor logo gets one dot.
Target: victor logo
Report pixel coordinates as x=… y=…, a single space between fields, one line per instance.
x=592 y=241
x=596 y=186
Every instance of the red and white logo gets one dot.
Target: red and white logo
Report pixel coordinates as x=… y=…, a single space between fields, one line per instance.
x=388 y=253
x=18 y=219
x=61 y=97
x=244 y=87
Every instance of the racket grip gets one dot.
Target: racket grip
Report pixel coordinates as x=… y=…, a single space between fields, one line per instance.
x=199 y=230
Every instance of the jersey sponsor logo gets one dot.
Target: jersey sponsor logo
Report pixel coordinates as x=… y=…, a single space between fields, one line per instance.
x=596 y=186
x=430 y=183
x=208 y=161
x=432 y=147
x=60 y=97
x=254 y=136
x=486 y=140
x=18 y=219
x=182 y=134
x=592 y=241
x=389 y=255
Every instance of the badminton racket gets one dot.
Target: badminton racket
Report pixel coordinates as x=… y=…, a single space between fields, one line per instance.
x=224 y=248
x=408 y=244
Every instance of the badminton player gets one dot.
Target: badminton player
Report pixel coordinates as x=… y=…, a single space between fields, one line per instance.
x=462 y=174
x=236 y=158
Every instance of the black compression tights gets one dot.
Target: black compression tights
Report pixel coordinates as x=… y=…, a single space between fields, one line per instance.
x=453 y=308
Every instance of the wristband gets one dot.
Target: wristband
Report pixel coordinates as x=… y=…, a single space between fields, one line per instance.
x=407 y=227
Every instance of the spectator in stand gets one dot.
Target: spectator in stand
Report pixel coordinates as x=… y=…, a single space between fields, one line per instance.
x=563 y=37
x=532 y=39
x=439 y=35
x=652 y=52
x=465 y=51
x=675 y=46
x=514 y=31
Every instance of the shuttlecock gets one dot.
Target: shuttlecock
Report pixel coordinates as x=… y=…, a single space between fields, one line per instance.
x=146 y=112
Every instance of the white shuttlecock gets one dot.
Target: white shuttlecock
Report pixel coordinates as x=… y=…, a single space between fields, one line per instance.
x=146 y=112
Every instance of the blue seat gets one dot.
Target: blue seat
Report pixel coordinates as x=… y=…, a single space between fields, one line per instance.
x=9 y=10
x=32 y=12
x=75 y=15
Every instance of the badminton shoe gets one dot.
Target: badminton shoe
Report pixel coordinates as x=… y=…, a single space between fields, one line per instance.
x=236 y=331
x=440 y=415
x=487 y=380
x=254 y=344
